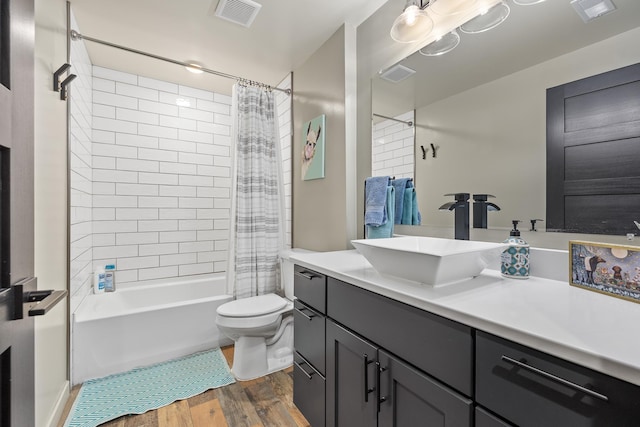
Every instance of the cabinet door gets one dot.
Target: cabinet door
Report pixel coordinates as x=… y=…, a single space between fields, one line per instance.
x=350 y=364
x=409 y=398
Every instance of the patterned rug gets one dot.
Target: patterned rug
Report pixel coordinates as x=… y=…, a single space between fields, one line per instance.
x=143 y=389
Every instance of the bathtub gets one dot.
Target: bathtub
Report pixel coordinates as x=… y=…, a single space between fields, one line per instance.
x=139 y=326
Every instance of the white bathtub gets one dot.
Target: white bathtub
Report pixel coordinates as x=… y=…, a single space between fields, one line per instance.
x=139 y=326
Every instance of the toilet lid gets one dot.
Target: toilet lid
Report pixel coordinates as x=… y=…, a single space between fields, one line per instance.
x=253 y=306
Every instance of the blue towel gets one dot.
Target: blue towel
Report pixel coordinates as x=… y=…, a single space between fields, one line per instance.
x=375 y=199
x=400 y=185
x=407 y=209
x=416 y=218
x=385 y=230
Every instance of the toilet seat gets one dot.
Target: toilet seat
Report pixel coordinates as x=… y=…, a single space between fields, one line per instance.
x=253 y=306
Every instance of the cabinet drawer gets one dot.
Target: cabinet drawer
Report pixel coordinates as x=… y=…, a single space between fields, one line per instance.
x=440 y=347
x=311 y=287
x=308 y=392
x=309 y=335
x=531 y=388
x=485 y=419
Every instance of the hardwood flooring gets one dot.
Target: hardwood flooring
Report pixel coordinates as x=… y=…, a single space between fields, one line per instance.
x=264 y=402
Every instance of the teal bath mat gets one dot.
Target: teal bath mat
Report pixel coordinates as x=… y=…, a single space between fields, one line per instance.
x=143 y=389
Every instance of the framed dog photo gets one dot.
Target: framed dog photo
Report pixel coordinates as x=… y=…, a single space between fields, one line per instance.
x=606 y=268
x=312 y=161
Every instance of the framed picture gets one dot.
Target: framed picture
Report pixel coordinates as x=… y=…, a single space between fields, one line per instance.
x=606 y=268
x=312 y=161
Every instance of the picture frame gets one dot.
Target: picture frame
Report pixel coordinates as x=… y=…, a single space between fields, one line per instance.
x=609 y=269
x=312 y=158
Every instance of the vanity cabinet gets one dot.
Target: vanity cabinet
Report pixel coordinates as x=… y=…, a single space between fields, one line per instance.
x=309 y=342
x=372 y=343
x=386 y=363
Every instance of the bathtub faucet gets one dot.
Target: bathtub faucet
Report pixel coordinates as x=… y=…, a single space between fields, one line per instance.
x=461 y=207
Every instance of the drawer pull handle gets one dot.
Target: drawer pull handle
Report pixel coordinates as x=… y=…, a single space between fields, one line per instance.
x=305 y=372
x=367 y=390
x=308 y=316
x=305 y=274
x=556 y=378
x=380 y=399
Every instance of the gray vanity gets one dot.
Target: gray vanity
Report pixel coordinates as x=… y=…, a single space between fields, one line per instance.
x=374 y=351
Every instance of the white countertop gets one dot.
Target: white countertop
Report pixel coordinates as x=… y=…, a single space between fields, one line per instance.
x=587 y=328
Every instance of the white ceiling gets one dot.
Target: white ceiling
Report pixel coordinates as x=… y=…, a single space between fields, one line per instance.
x=284 y=34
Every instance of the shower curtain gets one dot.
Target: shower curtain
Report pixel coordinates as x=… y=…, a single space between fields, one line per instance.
x=257 y=199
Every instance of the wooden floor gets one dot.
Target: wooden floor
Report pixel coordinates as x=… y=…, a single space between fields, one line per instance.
x=265 y=402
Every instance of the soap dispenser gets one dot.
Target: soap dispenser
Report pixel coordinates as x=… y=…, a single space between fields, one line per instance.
x=514 y=261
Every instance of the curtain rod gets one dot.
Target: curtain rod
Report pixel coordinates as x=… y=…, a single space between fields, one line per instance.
x=77 y=36
x=408 y=123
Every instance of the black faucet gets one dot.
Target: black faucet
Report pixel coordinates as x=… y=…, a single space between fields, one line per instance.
x=480 y=209
x=461 y=206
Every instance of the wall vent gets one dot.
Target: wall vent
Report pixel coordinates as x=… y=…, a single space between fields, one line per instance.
x=397 y=73
x=241 y=12
x=592 y=9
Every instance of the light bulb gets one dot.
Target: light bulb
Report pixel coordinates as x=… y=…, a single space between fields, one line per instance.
x=411 y=14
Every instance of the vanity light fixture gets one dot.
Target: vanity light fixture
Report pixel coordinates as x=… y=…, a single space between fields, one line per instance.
x=413 y=24
x=487 y=20
x=451 y=7
x=442 y=45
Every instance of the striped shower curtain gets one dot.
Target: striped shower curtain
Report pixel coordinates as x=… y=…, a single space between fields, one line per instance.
x=257 y=199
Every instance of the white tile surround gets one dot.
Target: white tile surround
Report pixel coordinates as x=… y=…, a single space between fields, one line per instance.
x=80 y=199
x=161 y=177
x=153 y=186
x=283 y=102
x=392 y=152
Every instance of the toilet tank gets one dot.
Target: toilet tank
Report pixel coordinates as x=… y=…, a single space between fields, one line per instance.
x=286 y=268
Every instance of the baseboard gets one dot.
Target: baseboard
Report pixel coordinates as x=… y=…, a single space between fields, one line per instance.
x=63 y=397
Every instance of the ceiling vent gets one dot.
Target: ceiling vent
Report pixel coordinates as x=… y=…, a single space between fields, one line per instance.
x=397 y=73
x=241 y=12
x=592 y=9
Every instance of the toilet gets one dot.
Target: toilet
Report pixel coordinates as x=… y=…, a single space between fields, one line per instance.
x=261 y=327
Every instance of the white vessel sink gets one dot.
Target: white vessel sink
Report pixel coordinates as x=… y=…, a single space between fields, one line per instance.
x=429 y=260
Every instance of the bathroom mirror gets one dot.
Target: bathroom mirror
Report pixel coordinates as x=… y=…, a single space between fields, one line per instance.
x=483 y=105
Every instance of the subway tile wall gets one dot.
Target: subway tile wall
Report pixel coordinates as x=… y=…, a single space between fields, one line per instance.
x=283 y=102
x=161 y=177
x=392 y=152
x=80 y=196
x=150 y=176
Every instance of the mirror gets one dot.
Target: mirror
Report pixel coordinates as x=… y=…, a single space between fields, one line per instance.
x=483 y=105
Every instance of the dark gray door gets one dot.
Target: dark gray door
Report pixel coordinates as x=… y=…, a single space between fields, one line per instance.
x=409 y=398
x=16 y=212
x=350 y=381
x=593 y=152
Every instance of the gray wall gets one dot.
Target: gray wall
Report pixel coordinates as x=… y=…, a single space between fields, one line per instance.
x=319 y=206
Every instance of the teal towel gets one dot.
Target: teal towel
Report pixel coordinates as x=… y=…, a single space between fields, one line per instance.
x=400 y=185
x=416 y=218
x=407 y=210
x=386 y=229
x=375 y=200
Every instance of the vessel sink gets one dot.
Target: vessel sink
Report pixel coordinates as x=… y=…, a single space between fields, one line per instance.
x=429 y=260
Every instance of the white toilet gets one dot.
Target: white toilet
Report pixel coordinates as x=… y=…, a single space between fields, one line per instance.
x=262 y=328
